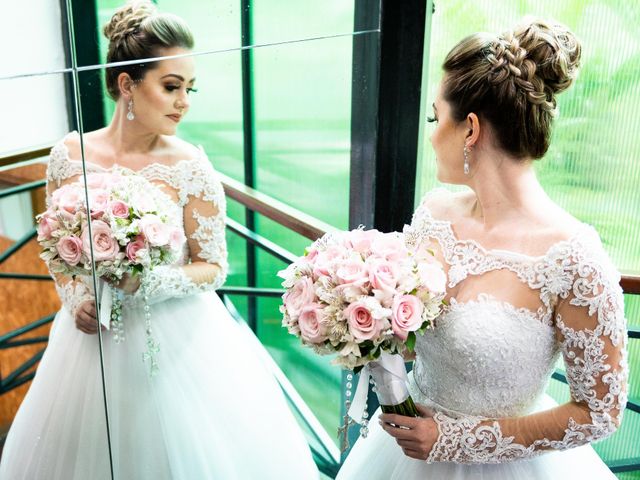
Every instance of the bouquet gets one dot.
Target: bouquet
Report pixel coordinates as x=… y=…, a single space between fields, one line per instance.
x=364 y=296
x=129 y=234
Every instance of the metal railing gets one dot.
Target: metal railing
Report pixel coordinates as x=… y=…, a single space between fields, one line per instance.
x=327 y=457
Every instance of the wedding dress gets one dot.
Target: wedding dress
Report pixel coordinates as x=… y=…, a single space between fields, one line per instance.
x=212 y=411
x=485 y=365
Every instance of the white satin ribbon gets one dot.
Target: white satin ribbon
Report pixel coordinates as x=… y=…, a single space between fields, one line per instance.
x=390 y=377
x=359 y=402
x=106 y=302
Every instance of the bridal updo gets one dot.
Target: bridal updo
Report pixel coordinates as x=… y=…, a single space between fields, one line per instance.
x=511 y=81
x=136 y=31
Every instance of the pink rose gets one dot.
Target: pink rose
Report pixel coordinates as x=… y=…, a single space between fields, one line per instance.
x=97 y=180
x=142 y=203
x=383 y=276
x=119 y=209
x=98 y=202
x=311 y=255
x=406 y=316
x=325 y=260
x=389 y=246
x=362 y=324
x=133 y=247
x=353 y=273
x=68 y=198
x=432 y=277
x=105 y=246
x=360 y=240
x=299 y=296
x=313 y=324
x=176 y=239
x=47 y=224
x=70 y=249
x=156 y=232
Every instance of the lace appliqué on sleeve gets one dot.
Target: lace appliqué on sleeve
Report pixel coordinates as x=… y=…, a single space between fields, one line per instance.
x=73 y=294
x=591 y=324
x=202 y=195
x=210 y=236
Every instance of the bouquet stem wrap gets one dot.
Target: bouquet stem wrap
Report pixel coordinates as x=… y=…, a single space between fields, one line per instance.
x=390 y=377
x=106 y=303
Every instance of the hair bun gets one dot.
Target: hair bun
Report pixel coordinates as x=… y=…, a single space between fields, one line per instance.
x=554 y=49
x=127 y=20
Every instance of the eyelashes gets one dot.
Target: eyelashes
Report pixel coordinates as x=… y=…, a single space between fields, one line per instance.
x=171 y=88
x=432 y=119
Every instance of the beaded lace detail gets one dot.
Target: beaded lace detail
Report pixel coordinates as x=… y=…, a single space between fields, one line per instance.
x=73 y=294
x=202 y=211
x=486 y=363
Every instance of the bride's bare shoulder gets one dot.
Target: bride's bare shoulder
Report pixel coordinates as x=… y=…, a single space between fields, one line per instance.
x=74 y=146
x=175 y=149
x=445 y=204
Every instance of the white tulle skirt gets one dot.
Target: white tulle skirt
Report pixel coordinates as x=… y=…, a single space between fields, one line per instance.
x=378 y=457
x=212 y=412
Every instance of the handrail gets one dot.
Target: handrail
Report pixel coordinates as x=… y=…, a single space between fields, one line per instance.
x=277 y=211
x=287 y=216
x=25 y=154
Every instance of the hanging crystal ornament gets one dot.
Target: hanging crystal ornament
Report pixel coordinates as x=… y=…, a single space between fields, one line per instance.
x=347 y=421
x=117 y=326
x=153 y=348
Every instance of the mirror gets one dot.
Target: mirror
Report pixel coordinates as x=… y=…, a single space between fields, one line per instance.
x=53 y=419
x=179 y=417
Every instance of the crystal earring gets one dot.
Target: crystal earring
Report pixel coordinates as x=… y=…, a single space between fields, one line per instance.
x=130 y=115
x=466 y=160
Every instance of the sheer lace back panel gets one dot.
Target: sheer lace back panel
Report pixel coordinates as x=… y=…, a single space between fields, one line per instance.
x=196 y=195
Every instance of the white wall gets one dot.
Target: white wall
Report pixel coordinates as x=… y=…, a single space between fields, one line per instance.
x=33 y=109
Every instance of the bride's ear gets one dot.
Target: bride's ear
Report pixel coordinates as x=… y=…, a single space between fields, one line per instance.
x=125 y=85
x=473 y=130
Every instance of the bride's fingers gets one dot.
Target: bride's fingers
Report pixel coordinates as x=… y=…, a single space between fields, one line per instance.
x=90 y=308
x=397 y=432
x=399 y=421
x=410 y=444
x=424 y=411
x=86 y=323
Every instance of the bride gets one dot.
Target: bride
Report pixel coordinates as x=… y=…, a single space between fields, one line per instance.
x=527 y=283
x=213 y=411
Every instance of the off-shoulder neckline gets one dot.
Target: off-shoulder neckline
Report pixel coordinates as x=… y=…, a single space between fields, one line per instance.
x=582 y=230
x=147 y=167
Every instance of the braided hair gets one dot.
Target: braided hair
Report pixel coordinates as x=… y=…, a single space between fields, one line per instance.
x=136 y=31
x=512 y=80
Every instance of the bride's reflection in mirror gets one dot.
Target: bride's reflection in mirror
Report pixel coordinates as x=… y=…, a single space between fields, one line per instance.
x=188 y=397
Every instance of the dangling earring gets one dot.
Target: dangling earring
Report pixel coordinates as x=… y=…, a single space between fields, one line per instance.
x=130 y=115
x=466 y=160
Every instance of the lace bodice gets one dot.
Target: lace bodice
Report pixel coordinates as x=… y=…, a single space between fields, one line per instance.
x=197 y=202
x=489 y=357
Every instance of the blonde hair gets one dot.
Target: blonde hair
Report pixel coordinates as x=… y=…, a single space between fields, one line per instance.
x=511 y=81
x=137 y=30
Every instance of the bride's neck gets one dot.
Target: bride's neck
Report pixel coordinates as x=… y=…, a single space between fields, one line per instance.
x=127 y=136
x=505 y=188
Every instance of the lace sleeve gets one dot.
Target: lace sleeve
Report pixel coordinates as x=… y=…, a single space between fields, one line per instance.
x=72 y=292
x=204 y=220
x=591 y=329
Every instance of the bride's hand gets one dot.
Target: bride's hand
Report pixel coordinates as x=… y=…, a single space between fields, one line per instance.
x=128 y=283
x=85 y=319
x=416 y=436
